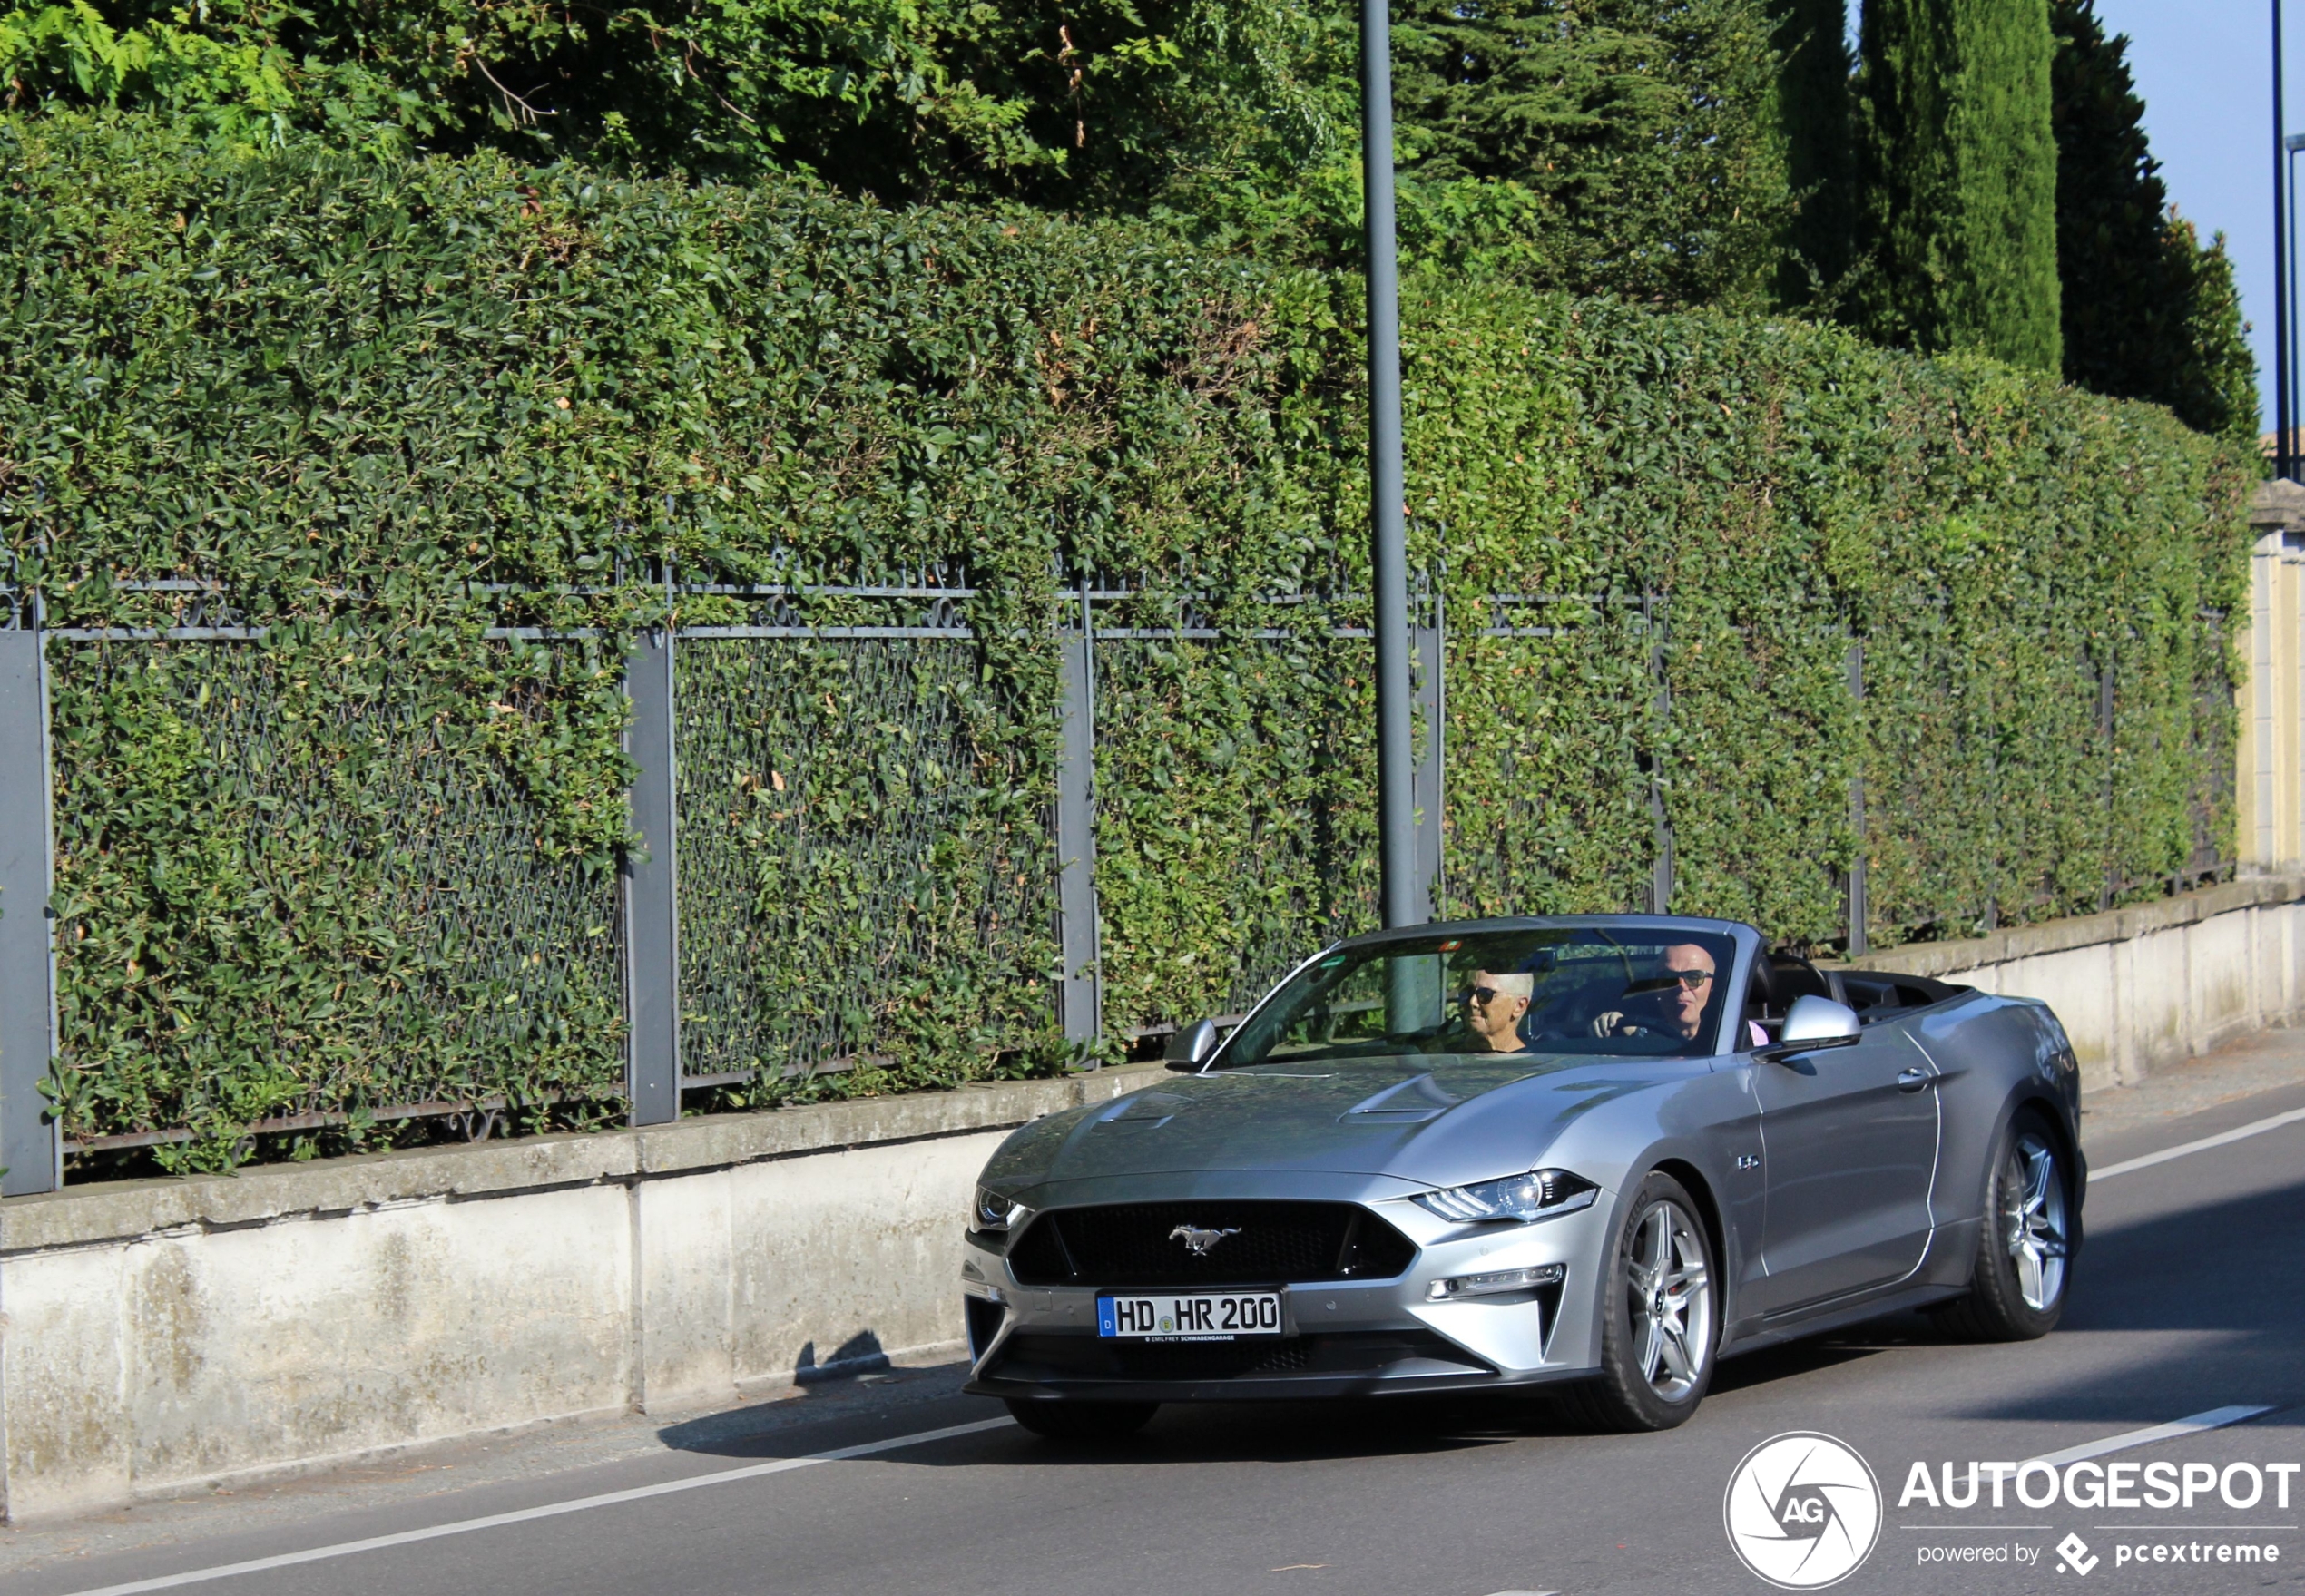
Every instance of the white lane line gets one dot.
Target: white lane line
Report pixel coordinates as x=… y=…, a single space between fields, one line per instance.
x=2239 y=1133
x=550 y=1509
x=2216 y=1418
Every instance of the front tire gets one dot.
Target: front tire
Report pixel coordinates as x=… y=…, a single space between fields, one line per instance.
x=1659 y=1326
x=1082 y=1421
x=2018 y=1285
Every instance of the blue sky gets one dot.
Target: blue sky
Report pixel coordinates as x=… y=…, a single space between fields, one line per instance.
x=2204 y=70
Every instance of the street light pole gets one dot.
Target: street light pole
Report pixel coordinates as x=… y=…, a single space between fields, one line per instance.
x=1400 y=891
x=2289 y=353
x=2281 y=467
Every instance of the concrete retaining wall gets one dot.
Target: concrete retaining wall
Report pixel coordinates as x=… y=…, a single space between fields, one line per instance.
x=2144 y=987
x=158 y=1335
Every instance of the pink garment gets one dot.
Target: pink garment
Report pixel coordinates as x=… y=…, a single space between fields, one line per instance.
x=1760 y=1037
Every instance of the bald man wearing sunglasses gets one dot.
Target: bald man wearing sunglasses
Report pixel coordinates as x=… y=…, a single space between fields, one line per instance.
x=1670 y=1003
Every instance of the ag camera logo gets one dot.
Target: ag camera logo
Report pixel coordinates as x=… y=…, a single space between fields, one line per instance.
x=1803 y=1510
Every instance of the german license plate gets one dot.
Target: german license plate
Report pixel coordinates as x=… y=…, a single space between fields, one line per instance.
x=1199 y=1316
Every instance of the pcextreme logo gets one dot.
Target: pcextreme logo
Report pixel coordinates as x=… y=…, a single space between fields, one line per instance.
x=1802 y=1510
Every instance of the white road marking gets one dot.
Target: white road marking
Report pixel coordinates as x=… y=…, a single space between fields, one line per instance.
x=2216 y=1418
x=2239 y=1133
x=550 y=1509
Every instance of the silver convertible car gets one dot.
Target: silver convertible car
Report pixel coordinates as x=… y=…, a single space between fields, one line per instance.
x=1590 y=1154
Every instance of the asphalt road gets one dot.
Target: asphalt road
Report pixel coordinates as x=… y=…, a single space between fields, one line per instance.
x=2189 y=1298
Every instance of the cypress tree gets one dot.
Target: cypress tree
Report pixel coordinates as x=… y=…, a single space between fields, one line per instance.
x=2214 y=385
x=1813 y=119
x=2148 y=313
x=1960 y=179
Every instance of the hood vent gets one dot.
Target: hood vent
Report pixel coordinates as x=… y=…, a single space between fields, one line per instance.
x=1146 y=1109
x=1411 y=1102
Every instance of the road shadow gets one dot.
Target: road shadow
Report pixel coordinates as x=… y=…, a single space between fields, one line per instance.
x=2220 y=1281
x=1276 y=1431
x=1336 y=1430
x=1790 y=1361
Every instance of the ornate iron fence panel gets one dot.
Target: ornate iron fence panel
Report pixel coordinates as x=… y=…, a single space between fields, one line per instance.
x=1235 y=815
x=1545 y=816
x=372 y=911
x=865 y=874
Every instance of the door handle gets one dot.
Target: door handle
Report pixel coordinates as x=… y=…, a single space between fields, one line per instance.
x=1911 y=1080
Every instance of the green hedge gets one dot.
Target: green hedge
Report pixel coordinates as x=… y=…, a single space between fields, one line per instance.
x=1999 y=546
x=364 y=398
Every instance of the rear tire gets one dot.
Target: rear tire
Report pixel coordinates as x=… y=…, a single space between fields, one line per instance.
x=2018 y=1285
x=1657 y=1324
x=1082 y=1421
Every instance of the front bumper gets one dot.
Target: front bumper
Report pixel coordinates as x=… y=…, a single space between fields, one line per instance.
x=1339 y=1338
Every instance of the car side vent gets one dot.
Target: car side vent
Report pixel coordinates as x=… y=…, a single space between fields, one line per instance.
x=1038 y=1258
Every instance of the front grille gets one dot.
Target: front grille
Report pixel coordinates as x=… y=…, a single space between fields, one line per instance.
x=1049 y=1357
x=1274 y=1243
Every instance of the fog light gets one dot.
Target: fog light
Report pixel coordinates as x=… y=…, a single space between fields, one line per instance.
x=1498 y=1284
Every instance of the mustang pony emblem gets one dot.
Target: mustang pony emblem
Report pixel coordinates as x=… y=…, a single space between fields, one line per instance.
x=1198 y=1242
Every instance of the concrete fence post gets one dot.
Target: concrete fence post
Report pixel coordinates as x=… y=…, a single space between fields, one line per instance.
x=651 y=889
x=2269 y=755
x=31 y=1143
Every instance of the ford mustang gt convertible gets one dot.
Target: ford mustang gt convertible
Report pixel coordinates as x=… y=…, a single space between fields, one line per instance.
x=1591 y=1155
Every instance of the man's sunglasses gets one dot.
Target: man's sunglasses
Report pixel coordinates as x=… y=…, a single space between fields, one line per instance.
x=1691 y=979
x=1484 y=995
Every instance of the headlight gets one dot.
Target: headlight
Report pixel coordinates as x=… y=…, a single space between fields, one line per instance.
x=991 y=1211
x=1539 y=1195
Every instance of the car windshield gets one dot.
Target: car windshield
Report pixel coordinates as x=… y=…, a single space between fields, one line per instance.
x=1637 y=991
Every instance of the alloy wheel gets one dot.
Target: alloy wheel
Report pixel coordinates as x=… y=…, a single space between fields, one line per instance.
x=1671 y=1296
x=2033 y=1218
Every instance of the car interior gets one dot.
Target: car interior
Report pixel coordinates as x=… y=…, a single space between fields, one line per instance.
x=1780 y=978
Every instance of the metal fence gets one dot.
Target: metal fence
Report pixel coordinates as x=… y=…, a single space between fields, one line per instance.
x=810 y=768
x=858 y=696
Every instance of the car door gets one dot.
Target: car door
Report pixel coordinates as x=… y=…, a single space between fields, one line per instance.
x=1848 y=1149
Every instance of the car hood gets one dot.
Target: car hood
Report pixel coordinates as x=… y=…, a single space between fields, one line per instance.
x=1439 y=1120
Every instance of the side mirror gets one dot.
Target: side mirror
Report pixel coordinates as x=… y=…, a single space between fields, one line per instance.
x=1813 y=1024
x=1190 y=1046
